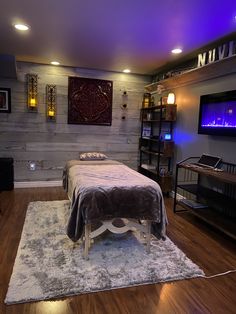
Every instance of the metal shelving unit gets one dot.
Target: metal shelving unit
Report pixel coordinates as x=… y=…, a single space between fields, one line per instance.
x=155 y=151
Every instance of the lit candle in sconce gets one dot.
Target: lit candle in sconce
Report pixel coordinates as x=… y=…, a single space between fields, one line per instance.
x=51 y=113
x=51 y=102
x=32 y=102
x=32 y=99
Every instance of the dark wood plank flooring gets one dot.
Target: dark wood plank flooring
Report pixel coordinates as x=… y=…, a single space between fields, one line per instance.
x=211 y=250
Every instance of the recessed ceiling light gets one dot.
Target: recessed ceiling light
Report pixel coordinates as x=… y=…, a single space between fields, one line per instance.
x=55 y=63
x=126 y=71
x=21 y=27
x=176 y=50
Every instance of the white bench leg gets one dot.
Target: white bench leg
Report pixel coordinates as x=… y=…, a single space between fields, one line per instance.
x=148 y=235
x=107 y=225
x=87 y=240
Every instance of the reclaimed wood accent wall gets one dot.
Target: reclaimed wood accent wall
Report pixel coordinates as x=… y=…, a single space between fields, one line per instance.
x=27 y=136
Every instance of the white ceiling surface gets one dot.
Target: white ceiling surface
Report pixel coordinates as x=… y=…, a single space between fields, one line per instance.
x=112 y=34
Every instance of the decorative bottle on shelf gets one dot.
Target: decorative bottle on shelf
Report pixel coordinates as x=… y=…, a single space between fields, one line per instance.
x=146 y=100
x=162 y=172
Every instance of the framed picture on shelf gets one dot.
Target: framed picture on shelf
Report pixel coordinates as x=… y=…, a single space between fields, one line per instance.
x=146 y=131
x=164 y=100
x=5 y=100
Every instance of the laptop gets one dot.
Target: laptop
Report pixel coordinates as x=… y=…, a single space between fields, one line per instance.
x=208 y=161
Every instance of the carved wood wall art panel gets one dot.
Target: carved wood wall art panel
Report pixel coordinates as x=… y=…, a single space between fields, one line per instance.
x=89 y=101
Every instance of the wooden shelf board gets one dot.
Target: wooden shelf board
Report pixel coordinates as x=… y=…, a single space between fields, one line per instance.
x=213 y=218
x=149 y=170
x=159 y=107
x=222 y=176
x=150 y=139
x=217 y=220
x=209 y=194
x=209 y=71
x=151 y=152
x=158 y=120
x=156 y=140
x=191 y=188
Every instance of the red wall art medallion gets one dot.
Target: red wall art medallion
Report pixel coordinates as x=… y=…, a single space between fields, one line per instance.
x=89 y=101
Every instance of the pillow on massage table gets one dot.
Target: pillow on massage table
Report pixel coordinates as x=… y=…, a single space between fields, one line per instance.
x=92 y=156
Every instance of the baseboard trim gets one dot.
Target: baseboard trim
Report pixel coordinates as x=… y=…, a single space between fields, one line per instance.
x=36 y=184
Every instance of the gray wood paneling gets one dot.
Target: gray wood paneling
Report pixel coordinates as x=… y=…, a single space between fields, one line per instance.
x=29 y=137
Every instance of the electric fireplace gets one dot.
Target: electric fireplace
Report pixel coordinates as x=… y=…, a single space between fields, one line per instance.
x=217 y=114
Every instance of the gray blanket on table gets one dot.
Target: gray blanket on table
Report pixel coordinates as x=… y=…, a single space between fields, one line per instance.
x=102 y=190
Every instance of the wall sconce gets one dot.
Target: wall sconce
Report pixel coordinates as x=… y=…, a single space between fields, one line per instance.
x=32 y=87
x=124 y=106
x=51 y=102
x=171 y=99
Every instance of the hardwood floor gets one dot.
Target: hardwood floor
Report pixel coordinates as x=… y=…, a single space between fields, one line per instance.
x=212 y=251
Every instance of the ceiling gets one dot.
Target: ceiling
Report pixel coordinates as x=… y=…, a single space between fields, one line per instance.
x=112 y=35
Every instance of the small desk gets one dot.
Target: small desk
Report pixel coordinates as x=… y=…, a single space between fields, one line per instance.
x=213 y=194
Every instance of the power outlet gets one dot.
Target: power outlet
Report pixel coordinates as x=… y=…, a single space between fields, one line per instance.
x=32 y=166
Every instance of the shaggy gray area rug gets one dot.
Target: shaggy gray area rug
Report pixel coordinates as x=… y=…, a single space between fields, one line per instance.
x=49 y=265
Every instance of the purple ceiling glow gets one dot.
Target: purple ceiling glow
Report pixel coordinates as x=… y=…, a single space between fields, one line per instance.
x=112 y=35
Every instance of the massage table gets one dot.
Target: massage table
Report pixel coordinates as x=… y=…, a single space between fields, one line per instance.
x=104 y=190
